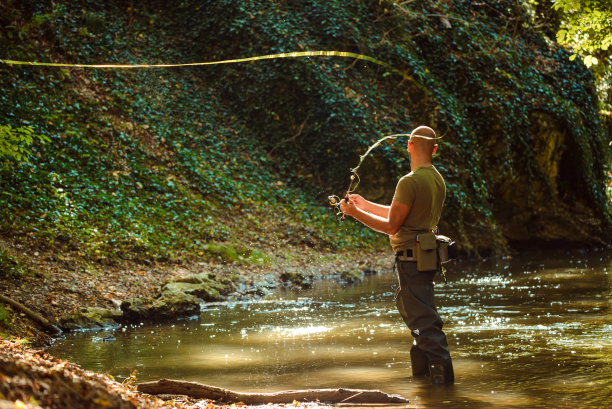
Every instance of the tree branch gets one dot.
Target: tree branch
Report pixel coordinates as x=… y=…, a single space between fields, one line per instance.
x=34 y=316
x=201 y=391
x=292 y=138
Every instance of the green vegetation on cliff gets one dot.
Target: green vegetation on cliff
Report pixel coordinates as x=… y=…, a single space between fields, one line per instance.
x=164 y=164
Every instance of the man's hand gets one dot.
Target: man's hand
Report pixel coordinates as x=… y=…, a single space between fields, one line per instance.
x=358 y=200
x=348 y=207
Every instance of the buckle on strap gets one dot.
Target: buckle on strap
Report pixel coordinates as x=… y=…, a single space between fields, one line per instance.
x=405 y=255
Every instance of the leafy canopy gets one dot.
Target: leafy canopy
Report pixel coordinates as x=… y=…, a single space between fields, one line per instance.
x=586 y=27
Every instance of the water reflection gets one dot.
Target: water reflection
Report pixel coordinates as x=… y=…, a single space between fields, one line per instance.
x=526 y=332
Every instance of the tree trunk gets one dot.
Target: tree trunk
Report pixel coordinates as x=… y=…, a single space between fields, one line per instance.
x=201 y=391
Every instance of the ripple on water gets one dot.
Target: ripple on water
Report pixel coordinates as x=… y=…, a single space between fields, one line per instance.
x=531 y=332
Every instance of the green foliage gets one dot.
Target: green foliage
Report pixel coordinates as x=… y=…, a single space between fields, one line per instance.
x=4 y=316
x=258 y=258
x=586 y=28
x=14 y=142
x=161 y=164
x=144 y=165
x=224 y=252
x=12 y=268
x=237 y=253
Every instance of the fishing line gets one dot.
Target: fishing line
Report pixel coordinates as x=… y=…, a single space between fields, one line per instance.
x=334 y=201
x=294 y=54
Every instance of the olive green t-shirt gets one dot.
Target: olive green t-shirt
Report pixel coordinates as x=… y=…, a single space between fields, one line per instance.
x=424 y=191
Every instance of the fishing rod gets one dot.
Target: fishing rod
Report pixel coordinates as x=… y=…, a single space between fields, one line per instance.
x=334 y=200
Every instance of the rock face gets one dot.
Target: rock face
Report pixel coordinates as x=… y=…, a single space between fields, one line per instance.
x=547 y=204
x=177 y=298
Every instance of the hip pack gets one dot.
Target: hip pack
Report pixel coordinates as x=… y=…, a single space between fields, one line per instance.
x=447 y=249
x=434 y=250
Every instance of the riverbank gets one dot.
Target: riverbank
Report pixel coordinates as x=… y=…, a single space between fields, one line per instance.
x=60 y=286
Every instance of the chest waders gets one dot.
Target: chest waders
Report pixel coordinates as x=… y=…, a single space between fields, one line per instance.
x=414 y=298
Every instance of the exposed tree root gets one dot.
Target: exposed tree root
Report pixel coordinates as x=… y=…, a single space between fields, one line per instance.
x=201 y=391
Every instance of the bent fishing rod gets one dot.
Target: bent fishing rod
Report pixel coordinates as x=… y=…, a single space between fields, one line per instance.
x=334 y=200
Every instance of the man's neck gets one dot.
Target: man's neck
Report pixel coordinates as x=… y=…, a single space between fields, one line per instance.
x=416 y=163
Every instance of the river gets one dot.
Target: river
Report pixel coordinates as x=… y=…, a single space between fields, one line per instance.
x=525 y=332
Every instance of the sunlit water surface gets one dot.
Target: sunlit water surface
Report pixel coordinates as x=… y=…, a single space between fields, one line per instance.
x=526 y=332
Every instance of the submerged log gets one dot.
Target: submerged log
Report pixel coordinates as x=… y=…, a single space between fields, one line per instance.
x=201 y=391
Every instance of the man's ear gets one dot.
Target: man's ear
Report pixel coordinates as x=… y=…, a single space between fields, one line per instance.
x=435 y=148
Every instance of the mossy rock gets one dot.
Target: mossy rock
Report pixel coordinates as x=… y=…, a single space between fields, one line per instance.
x=296 y=278
x=91 y=318
x=203 y=291
x=204 y=286
x=169 y=305
x=352 y=276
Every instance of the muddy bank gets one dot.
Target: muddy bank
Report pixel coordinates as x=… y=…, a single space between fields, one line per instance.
x=75 y=298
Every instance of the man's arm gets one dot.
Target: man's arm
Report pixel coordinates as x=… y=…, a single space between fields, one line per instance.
x=389 y=225
x=370 y=207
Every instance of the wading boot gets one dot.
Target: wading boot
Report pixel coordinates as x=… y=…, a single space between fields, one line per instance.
x=420 y=367
x=441 y=372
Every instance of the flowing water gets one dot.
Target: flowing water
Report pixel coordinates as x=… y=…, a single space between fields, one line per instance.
x=528 y=332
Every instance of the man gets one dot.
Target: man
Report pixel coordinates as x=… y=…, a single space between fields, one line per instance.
x=416 y=208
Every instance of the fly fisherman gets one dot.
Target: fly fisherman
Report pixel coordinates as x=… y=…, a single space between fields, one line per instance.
x=415 y=210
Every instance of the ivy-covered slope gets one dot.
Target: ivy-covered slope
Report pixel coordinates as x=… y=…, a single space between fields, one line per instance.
x=160 y=163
